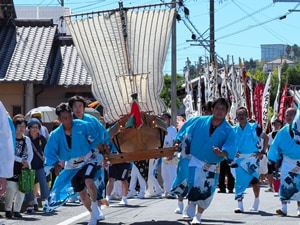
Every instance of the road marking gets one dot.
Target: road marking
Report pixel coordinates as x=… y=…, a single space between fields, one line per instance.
x=71 y=220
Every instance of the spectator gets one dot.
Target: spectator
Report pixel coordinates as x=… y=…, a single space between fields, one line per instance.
x=23 y=158
x=38 y=144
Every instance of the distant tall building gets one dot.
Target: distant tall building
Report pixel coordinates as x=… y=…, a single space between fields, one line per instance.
x=55 y=13
x=273 y=51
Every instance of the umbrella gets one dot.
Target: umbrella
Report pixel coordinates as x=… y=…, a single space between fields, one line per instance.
x=48 y=113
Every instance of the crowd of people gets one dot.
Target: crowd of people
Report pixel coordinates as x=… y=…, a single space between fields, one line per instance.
x=212 y=152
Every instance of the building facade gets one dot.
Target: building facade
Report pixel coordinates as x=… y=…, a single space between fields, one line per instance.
x=273 y=51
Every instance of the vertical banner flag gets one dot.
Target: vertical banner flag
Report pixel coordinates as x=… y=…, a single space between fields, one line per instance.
x=266 y=102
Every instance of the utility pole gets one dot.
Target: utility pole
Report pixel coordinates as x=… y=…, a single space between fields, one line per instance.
x=212 y=31
x=173 y=72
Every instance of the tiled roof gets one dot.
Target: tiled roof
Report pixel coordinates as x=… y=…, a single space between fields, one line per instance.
x=25 y=52
x=279 y=61
x=66 y=67
x=33 y=53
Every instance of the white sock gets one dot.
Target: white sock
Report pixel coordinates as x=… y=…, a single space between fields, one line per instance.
x=240 y=205
x=35 y=201
x=108 y=197
x=124 y=197
x=94 y=204
x=180 y=204
x=255 y=204
x=198 y=215
x=284 y=207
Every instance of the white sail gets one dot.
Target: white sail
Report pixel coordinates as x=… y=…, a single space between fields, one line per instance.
x=124 y=51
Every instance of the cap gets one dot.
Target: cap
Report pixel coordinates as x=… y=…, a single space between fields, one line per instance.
x=33 y=121
x=36 y=113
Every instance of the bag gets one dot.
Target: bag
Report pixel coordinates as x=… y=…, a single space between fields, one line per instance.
x=26 y=180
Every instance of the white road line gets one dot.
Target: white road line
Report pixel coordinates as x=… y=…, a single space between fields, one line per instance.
x=71 y=220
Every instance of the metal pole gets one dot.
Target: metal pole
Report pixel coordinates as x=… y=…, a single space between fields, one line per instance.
x=173 y=72
x=212 y=31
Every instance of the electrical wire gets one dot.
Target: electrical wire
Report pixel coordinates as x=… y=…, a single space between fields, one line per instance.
x=245 y=17
x=258 y=24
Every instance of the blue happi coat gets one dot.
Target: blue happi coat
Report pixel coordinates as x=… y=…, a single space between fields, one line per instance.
x=84 y=138
x=194 y=179
x=100 y=129
x=248 y=143
x=285 y=148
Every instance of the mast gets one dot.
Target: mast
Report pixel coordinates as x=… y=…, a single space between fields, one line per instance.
x=173 y=76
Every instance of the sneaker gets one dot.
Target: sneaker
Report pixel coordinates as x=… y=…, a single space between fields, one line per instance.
x=269 y=190
x=8 y=214
x=196 y=219
x=131 y=194
x=30 y=209
x=255 y=205
x=96 y=211
x=170 y=196
x=298 y=211
x=141 y=195
x=36 y=207
x=239 y=210
x=93 y=220
x=281 y=212
x=123 y=202
x=104 y=202
x=17 y=215
x=179 y=209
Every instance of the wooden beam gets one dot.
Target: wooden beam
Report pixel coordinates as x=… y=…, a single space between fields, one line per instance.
x=140 y=155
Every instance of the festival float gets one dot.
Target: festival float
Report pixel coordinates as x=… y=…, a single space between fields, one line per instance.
x=124 y=51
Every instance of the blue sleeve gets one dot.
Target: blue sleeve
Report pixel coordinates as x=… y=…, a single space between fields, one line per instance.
x=230 y=144
x=51 y=149
x=13 y=131
x=101 y=133
x=186 y=128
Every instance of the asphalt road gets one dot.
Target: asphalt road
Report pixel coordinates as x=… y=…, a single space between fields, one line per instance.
x=161 y=211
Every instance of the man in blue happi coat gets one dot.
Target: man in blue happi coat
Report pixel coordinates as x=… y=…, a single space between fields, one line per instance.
x=78 y=104
x=205 y=141
x=286 y=149
x=248 y=136
x=72 y=142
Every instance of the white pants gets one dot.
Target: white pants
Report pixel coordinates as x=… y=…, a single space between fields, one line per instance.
x=12 y=192
x=136 y=176
x=168 y=173
x=153 y=185
x=117 y=189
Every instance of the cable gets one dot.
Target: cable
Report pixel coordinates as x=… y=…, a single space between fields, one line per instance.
x=245 y=17
x=256 y=25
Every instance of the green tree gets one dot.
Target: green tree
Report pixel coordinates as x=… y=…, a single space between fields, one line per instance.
x=260 y=75
x=288 y=50
x=296 y=50
x=166 y=92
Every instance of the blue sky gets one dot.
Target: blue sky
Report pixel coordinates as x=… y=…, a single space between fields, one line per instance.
x=241 y=26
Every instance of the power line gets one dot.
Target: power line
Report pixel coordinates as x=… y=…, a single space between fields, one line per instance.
x=245 y=17
x=258 y=24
